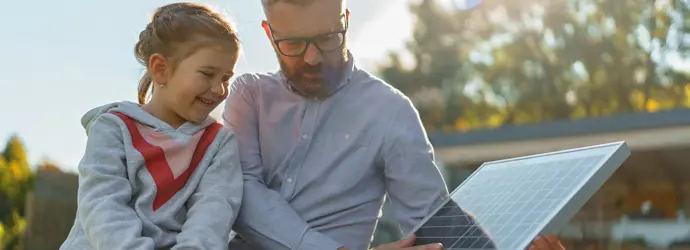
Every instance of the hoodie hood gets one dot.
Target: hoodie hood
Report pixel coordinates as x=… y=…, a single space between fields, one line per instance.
x=134 y=111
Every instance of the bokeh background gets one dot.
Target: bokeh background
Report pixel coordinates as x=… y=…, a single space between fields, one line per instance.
x=491 y=79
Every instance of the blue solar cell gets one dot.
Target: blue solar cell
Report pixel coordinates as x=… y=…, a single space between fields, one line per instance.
x=505 y=204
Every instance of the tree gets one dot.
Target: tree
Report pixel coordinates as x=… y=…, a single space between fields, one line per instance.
x=508 y=62
x=16 y=180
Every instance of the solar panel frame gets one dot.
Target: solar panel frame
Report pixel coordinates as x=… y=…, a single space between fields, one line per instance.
x=616 y=154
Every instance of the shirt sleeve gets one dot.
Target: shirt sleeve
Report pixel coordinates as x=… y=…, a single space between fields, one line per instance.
x=265 y=220
x=414 y=184
x=105 y=192
x=413 y=181
x=214 y=205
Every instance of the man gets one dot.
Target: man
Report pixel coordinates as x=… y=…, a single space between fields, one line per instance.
x=322 y=141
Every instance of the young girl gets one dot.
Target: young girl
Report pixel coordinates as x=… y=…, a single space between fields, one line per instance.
x=163 y=174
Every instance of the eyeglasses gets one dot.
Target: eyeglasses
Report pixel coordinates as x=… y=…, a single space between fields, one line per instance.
x=297 y=46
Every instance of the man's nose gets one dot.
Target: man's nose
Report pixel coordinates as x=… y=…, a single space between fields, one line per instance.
x=312 y=56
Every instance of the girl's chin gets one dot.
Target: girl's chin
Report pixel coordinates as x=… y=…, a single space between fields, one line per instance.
x=198 y=117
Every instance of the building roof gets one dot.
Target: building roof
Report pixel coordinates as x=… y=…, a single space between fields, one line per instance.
x=593 y=125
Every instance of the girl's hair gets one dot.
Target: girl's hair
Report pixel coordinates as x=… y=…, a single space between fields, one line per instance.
x=176 y=31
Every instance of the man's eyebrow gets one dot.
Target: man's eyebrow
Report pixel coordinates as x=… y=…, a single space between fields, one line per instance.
x=339 y=26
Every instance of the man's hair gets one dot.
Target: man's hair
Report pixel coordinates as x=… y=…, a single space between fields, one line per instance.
x=269 y=3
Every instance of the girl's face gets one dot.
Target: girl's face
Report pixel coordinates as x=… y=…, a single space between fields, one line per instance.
x=198 y=84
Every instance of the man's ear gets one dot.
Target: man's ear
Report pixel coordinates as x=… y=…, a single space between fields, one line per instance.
x=347 y=15
x=267 y=29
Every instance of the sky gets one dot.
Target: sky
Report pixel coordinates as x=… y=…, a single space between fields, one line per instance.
x=59 y=59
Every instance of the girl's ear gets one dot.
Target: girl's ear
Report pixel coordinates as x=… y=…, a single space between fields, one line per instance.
x=158 y=67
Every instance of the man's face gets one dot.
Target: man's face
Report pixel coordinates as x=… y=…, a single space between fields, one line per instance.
x=310 y=44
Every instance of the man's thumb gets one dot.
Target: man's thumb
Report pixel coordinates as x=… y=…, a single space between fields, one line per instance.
x=437 y=246
x=408 y=242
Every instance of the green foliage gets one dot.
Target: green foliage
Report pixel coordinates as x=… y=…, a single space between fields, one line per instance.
x=16 y=180
x=516 y=62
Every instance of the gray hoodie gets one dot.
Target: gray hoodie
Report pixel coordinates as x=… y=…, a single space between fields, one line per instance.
x=146 y=185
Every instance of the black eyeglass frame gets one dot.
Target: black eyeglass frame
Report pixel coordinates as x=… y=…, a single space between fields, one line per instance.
x=310 y=40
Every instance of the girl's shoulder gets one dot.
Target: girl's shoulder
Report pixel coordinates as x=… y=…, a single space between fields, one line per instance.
x=224 y=138
x=106 y=116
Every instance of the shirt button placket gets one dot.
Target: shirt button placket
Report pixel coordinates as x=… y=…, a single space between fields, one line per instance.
x=308 y=125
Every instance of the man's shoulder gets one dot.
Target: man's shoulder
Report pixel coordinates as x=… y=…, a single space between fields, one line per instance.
x=255 y=79
x=379 y=91
x=249 y=85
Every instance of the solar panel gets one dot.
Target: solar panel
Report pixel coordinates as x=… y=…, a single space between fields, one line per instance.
x=510 y=202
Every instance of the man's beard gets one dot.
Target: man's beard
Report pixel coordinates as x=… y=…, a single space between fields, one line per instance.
x=317 y=87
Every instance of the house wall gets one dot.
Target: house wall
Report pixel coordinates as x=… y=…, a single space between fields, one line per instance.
x=51 y=210
x=637 y=140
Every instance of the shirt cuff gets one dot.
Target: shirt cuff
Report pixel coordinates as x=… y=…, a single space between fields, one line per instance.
x=314 y=240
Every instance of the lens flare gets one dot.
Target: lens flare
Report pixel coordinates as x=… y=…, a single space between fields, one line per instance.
x=462 y=5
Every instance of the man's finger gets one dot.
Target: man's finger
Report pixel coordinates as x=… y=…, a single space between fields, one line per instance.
x=553 y=239
x=433 y=246
x=541 y=243
x=555 y=242
x=405 y=242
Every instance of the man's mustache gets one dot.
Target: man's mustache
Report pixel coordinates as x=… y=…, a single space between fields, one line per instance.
x=311 y=69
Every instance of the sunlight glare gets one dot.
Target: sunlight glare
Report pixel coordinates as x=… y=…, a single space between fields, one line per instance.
x=390 y=29
x=460 y=5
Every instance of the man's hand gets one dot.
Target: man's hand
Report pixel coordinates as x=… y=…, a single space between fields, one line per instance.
x=549 y=242
x=409 y=245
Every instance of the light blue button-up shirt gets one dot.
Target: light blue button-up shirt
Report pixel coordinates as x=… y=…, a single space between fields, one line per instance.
x=316 y=171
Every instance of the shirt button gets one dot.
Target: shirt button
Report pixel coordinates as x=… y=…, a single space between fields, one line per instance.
x=289 y=180
x=304 y=136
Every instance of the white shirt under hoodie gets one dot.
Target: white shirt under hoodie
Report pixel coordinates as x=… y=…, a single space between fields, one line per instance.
x=146 y=185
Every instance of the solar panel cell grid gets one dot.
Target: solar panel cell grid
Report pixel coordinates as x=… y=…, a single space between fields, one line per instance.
x=510 y=200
